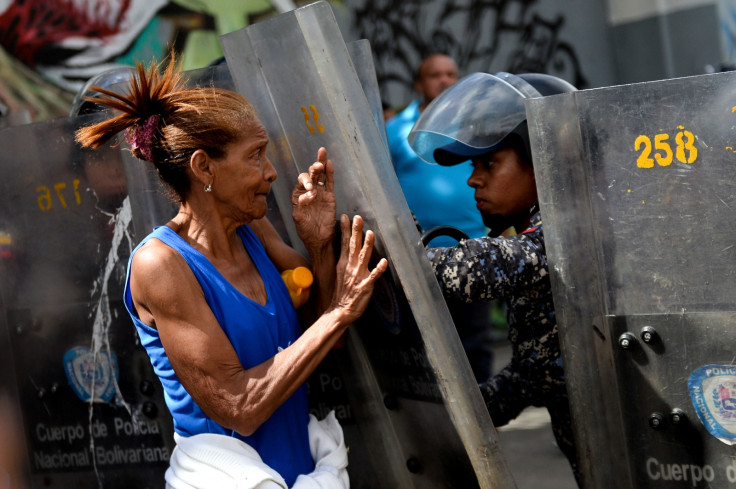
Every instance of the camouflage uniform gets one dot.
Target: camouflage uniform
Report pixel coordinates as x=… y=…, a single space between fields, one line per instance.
x=514 y=269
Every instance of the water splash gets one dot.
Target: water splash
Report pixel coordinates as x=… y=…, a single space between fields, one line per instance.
x=121 y=221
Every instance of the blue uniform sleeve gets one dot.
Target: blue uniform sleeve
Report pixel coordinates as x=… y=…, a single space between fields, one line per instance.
x=483 y=269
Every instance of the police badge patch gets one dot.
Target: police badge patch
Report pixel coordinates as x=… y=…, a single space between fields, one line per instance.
x=713 y=393
x=90 y=375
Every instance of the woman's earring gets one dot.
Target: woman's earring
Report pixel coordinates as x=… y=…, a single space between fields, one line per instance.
x=208 y=188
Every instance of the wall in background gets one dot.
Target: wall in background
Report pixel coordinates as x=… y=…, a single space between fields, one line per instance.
x=50 y=48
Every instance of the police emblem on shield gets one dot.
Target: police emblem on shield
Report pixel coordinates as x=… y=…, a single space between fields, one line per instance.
x=713 y=393
x=91 y=376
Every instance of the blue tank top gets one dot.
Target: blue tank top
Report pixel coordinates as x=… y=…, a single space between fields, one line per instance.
x=257 y=333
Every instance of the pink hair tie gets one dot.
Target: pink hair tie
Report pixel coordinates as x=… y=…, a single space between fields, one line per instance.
x=143 y=136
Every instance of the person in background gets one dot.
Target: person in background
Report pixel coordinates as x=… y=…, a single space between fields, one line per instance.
x=436 y=196
x=206 y=295
x=482 y=118
x=388 y=111
x=439 y=197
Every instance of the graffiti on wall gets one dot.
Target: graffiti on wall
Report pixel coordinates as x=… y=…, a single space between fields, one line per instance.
x=68 y=40
x=48 y=50
x=506 y=34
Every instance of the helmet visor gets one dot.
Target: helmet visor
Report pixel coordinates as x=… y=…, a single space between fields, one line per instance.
x=468 y=119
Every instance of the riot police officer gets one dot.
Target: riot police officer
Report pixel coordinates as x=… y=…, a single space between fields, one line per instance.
x=482 y=118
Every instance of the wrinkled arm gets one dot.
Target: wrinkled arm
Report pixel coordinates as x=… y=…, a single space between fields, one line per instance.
x=168 y=297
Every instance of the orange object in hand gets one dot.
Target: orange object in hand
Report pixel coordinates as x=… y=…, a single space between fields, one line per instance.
x=298 y=281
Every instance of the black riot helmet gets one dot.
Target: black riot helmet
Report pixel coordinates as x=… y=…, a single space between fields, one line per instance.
x=480 y=114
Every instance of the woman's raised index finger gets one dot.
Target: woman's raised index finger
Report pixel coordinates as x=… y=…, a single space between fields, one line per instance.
x=329 y=172
x=317 y=169
x=322 y=155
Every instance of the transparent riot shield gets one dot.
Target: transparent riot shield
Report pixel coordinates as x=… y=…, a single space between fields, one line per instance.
x=418 y=412
x=91 y=407
x=362 y=58
x=637 y=192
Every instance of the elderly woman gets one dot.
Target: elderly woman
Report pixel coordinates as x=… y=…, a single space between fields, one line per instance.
x=205 y=291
